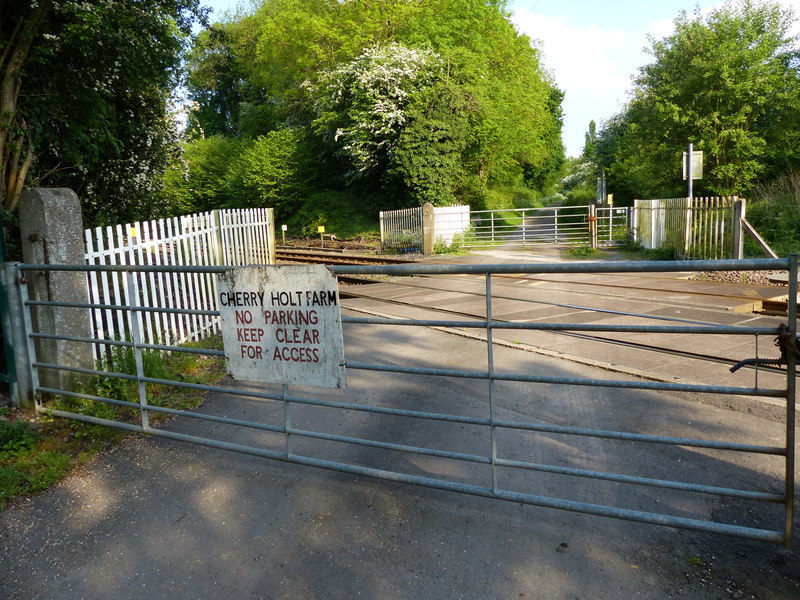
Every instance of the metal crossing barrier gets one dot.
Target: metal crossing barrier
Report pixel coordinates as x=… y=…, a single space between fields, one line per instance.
x=488 y=428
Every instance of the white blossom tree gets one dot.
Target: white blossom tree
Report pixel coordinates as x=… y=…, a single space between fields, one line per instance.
x=363 y=106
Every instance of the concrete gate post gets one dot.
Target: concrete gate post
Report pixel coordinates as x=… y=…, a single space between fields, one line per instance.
x=51 y=231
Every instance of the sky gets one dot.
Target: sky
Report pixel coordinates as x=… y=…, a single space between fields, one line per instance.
x=591 y=48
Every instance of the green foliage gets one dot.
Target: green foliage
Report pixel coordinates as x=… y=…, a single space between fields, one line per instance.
x=441 y=246
x=409 y=102
x=270 y=171
x=581 y=252
x=22 y=469
x=197 y=180
x=728 y=83
x=15 y=437
x=86 y=96
x=362 y=105
x=775 y=213
x=579 y=184
x=631 y=244
x=31 y=461
x=122 y=359
x=429 y=156
x=341 y=212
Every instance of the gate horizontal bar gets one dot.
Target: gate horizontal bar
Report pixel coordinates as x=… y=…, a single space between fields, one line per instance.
x=481 y=324
x=588 y=474
x=752 y=264
x=477 y=324
x=763 y=535
x=522 y=426
x=612 y=383
x=142 y=309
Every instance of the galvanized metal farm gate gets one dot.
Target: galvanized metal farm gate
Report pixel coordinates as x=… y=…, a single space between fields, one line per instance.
x=313 y=439
x=553 y=225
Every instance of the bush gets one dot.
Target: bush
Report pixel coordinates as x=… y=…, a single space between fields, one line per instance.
x=269 y=172
x=775 y=213
x=581 y=252
x=341 y=212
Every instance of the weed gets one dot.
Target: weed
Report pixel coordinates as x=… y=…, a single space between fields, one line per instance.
x=12 y=483
x=696 y=561
x=775 y=214
x=15 y=437
x=663 y=253
x=581 y=251
x=631 y=244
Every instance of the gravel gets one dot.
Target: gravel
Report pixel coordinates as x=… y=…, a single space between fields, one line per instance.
x=759 y=278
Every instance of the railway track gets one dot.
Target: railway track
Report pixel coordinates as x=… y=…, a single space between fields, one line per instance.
x=334 y=257
x=352 y=292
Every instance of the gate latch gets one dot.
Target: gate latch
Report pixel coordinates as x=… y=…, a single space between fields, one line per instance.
x=785 y=341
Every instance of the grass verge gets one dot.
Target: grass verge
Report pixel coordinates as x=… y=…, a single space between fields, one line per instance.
x=39 y=451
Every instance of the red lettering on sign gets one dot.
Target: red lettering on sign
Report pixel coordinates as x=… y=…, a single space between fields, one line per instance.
x=254 y=352
x=295 y=354
x=252 y=334
x=243 y=316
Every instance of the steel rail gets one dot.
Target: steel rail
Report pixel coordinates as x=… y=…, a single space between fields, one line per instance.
x=567 y=329
x=624 y=287
x=416 y=284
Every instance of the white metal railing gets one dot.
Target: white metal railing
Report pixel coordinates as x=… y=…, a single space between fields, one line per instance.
x=401 y=230
x=550 y=225
x=221 y=237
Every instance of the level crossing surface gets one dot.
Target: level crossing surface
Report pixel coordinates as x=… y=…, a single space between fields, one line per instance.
x=607 y=298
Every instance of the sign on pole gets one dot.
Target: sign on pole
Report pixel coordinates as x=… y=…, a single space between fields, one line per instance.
x=282 y=325
x=695 y=167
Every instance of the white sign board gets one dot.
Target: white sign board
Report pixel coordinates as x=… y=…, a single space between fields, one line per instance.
x=282 y=325
x=696 y=166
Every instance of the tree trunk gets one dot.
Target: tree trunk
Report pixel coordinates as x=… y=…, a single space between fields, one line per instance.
x=16 y=146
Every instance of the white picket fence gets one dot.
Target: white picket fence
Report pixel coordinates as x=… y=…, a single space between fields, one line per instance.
x=694 y=228
x=221 y=237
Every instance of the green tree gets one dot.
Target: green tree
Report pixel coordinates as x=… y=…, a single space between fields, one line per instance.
x=85 y=98
x=428 y=158
x=363 y=105
x=196 y=180
x=729 y=83
x=293 y=62
x=270 y=171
